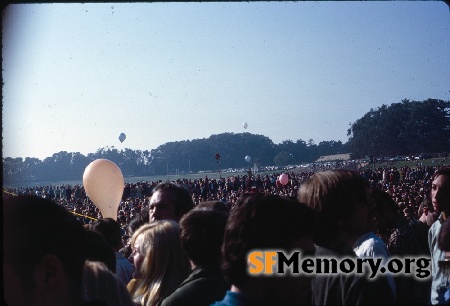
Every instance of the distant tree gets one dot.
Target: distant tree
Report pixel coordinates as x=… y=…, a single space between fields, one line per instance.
x=329 y=147
x=282 y=159
x=402 y=129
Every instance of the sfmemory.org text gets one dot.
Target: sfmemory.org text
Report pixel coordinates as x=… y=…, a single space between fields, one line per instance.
x=275 y=262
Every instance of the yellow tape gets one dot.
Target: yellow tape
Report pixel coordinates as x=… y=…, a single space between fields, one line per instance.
x=4 y=191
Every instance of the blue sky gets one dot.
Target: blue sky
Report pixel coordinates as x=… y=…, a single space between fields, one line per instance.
x=77 y=75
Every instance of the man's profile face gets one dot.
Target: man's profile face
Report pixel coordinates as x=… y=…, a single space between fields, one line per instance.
x=162 y=206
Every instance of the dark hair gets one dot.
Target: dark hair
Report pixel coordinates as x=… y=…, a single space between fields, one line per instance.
x=214 y=205
x=441 y=171
x=261 y=221
x=144 y=214
x=383 y=200
x=140 y=219
x=98 y=249
x=110 y=229
x=202 y=231
x=136 y=223
x=181 y=197
x=35 y=227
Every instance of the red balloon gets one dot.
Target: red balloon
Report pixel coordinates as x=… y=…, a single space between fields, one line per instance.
x=284 y=179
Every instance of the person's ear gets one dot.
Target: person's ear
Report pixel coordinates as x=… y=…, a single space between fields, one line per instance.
x=49 y=274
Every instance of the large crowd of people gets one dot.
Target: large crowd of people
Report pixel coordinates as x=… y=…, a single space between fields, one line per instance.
x=164 y=229
x=410 y=188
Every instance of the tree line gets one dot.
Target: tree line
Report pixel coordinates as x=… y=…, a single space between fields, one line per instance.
x=404 y=128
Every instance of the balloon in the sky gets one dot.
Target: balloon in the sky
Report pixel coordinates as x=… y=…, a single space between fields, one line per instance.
x=122 y=137
x=284 y=178
x=245 y=125
x=247 y=158
x=104 y=184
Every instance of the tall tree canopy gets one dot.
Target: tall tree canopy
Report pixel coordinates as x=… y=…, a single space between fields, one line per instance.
x=403 y=128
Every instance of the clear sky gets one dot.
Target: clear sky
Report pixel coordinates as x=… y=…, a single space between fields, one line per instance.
x=77 y=75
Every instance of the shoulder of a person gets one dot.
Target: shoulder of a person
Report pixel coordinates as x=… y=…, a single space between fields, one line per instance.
x=194 y=292
x=435 y=227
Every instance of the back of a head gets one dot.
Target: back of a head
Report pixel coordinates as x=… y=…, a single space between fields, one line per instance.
x=144 y=214
x=383 y=200
x=181 y=197
x=136 y=223
x=386 y=209
x=261 y=222
x=103 y=286
x=98 y=249
x=202 y=230
x=333 y=195
x=35 y=227
x=110 y=229
x=214 y=205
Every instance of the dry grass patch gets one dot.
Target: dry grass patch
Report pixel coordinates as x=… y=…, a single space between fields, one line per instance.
x=336 y=157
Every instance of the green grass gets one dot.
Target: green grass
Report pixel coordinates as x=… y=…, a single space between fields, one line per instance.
x=413 y=163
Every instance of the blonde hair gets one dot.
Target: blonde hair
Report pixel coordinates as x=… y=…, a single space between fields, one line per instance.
x=100 y=284
x=165 y=263
x=334 y=191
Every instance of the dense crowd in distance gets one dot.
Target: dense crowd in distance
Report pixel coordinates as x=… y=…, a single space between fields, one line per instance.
x=409 y=187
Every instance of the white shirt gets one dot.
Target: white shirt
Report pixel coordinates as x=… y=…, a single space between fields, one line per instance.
x=372 y=246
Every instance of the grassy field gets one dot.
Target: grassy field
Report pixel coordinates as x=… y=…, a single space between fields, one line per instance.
x=335 y=157
x=413 y=163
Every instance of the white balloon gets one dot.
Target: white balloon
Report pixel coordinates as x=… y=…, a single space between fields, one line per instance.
x=122 y=137
x=103 y=182
x=245 y=125
x=248 y=158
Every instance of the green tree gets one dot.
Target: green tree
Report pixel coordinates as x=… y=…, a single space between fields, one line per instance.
x=282 y=159
x=403 y=128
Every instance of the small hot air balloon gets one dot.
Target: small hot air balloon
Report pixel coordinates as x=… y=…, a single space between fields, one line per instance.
x=122 y=137
x=245 y=125
x=248 y=158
